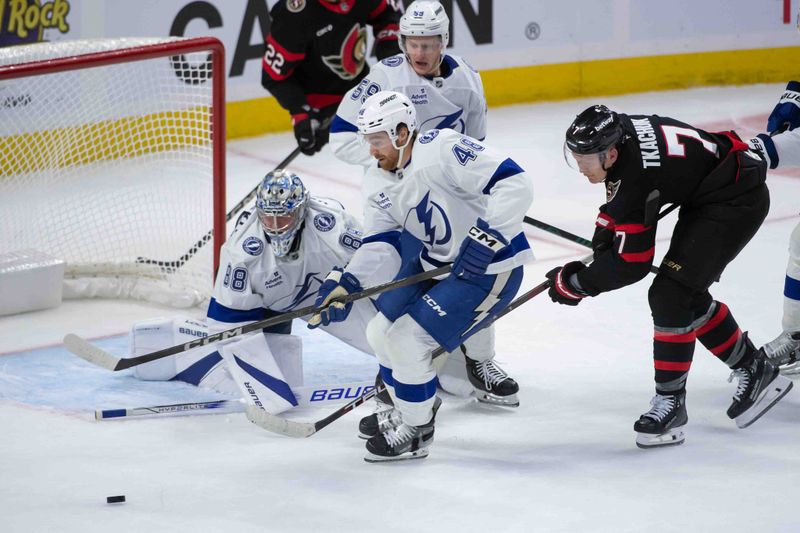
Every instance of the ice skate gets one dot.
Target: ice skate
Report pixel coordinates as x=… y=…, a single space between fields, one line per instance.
x=783 y=351
x=401 y=443
x=664 y=424
x=384 y=418
x=492 y=385
x=760 y=387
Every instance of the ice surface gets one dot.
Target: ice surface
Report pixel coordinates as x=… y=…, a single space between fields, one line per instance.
x=564 y=461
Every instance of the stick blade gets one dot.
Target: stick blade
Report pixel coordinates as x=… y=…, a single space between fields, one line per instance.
x=90 y=352
x=276 y=424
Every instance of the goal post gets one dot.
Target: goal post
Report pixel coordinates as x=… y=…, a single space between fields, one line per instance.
x=112 y=159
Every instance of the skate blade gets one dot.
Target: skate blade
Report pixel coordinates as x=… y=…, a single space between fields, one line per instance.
x=492 y=399
x=673 y=437
x=418 y=454
x=776 y=390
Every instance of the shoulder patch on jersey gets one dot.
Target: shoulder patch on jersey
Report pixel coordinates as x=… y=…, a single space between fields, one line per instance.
x=428 y=136
x=324 y=221
x=612 y=187
x=393 y=61
x=253 y=246
x=472 y=144
x=351 y=238
x=295 y=6
x=383 y=201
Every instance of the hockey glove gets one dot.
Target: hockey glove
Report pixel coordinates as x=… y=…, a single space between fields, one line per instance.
x=764 y=145
x=337 y=284
x=562 y=291
x=477 y=250
x=786 y=114
x=305 y=125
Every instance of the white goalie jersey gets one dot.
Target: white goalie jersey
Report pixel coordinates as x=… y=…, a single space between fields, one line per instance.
x=450 y=182
x=454 y=101
x=253 y=284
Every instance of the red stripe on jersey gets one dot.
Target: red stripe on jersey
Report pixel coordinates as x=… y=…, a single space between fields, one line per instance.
x=320 y=101
x=716 y=350
x=604 y=221
x=633 y=228
x=272 y=74
x=737 y=144
x=671 y=365
x=639 y=257
x=664 y=336
x=377 y=11
x=342 y=7
x=287 y=55
x=388 y=33
x=714 y=321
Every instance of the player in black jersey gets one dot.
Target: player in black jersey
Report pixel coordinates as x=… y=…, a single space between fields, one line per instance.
x=316 y=51
x=646 y=162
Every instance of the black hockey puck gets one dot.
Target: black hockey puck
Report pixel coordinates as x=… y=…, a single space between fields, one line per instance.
x=115 y=499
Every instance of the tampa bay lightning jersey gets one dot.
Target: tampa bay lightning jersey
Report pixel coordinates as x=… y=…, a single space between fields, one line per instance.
x=450 y=181
x=253 y=284
x=455 y=101
x=787 y=146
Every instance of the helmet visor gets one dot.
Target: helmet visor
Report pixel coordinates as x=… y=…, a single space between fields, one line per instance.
x=278 y=224
x=379 y=140
x=585 y=162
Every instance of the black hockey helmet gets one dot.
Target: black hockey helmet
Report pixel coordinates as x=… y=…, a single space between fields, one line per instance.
x=594 y=130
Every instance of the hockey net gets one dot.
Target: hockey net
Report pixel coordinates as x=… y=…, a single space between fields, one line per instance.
x=112 y=159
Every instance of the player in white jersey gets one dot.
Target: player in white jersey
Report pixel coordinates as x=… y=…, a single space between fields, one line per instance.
x=464 y=203
x=445 y=90
x=446 y=93
x=274 y=262
x=782 y=148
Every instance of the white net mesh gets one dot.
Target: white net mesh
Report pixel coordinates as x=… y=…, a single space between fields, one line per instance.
x=107 y=165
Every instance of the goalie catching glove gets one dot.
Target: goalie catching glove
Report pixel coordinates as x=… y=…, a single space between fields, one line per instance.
x=338 y=284
x=562 y=290
x=477 y=250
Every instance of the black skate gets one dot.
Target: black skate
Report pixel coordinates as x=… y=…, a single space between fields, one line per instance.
x=400 y=443
x=664 y=424
x=491 y=383
x=760 y=387
x=384 y=418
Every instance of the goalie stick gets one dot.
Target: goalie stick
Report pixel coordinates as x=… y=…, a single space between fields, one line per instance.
x=100 y=357
x=311 y=396
x=292 y=428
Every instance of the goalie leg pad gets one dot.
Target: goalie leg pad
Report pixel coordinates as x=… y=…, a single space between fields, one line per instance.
x=158 y=333
x=260 y=379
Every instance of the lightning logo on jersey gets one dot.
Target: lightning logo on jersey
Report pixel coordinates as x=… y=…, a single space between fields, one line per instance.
x=431 y=217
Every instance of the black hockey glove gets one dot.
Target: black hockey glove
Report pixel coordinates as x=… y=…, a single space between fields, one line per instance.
x=562 y=291
x=305 y=126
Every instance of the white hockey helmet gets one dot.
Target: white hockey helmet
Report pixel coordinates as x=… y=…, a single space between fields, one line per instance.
x=424 y=18
x=281 y=205
x=385 y=111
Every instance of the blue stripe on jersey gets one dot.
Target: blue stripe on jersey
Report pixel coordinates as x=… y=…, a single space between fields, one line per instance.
x=517 y=245
x=428 y=259
x=339 y=125
x=274 y=384
x=220 y=313
x=415 y=393
x=389 y=237
x=195 y=373
x=791 y=288
x=452 y=63
x=506 y=169
x=386 y=376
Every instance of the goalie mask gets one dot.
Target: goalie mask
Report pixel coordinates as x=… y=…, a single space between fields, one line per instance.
x=589 y=138
x=281 y=205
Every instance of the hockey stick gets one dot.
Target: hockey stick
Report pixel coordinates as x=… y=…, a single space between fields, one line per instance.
x=169 y=266
x=291 y=428
x=314 y=396
x=99 y=357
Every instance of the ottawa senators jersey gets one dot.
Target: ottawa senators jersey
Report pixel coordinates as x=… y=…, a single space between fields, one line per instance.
x=688 y=166
x=323 y=45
